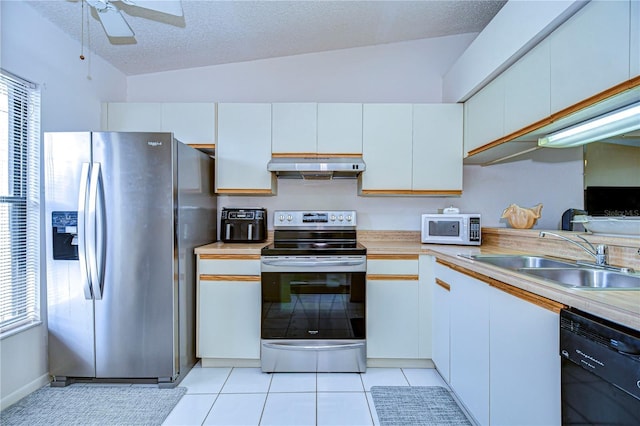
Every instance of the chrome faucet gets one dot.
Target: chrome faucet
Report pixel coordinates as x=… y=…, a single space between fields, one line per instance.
x=599 y=252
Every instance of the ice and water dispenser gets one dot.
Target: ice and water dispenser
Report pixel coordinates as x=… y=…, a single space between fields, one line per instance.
x=65 y=235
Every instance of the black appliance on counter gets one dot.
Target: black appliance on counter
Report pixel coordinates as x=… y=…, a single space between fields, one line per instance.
x=243 y=225
x=313 y=294
x=600 y=371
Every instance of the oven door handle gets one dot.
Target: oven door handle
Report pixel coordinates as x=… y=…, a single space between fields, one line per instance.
x=313 y=263
x=290 y=347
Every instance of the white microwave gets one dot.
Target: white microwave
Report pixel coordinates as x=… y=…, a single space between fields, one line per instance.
x=463 y=229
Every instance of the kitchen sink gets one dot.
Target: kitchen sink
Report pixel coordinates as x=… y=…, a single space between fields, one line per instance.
x=586 y=278
x=567 y=273
x=519 y=262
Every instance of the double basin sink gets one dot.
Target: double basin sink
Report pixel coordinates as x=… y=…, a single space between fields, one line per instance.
x=567 y=273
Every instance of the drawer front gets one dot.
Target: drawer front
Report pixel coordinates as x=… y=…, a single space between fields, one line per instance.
x=229 y=266
x=398 y=266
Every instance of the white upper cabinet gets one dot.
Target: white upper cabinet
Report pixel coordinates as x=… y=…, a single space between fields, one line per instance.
x=243 y=149
x=132 y=117
x=412 y=149
x=484 y=116
x=339 y=128
x=527 y=98
x=590 y=52
x=437 y=147
x=387 y=139
x=309 y=128
x=192 y=123
x=294 y=128
x=593 y=51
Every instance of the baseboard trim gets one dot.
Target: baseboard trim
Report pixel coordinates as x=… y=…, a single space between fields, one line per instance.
x=25 y=390
x=399 y=363
x=229 y=362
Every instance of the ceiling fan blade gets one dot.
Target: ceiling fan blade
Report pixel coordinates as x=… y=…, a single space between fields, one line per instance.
x=113 y=22
x=171 y=7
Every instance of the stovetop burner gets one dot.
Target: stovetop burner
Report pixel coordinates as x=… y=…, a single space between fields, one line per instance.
x=317 y=233
x=293 y=248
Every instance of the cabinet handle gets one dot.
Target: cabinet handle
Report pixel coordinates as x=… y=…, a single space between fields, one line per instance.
x=443 y=284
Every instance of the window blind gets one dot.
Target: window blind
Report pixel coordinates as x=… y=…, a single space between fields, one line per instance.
x=19 y=203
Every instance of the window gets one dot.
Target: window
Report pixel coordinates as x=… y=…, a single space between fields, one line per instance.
x=19 y=203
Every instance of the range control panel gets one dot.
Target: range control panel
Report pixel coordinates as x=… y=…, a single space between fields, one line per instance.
x=325 y=218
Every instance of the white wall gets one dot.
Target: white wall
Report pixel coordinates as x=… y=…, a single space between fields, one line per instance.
x=37 y=51
x=550 y=177
x=398 y=72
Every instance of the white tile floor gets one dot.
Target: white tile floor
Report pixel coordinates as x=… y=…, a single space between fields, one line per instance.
x=246 y=396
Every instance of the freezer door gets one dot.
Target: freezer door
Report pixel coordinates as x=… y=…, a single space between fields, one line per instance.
x=135 y=211
x=69 y=300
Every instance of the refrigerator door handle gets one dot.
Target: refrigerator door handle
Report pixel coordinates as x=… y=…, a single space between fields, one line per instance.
x=92 y=237
x=101 y=233
x=82 y=240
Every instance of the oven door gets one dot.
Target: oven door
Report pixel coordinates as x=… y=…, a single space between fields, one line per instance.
x=319 y=297
x=313 y=314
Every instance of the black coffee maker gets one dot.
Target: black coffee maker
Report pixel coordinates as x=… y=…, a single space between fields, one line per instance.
x=243 y=225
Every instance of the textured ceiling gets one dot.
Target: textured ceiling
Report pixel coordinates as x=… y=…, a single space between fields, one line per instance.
x=219 y=32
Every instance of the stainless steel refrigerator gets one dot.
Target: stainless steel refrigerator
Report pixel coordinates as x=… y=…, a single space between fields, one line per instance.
x=124 y=212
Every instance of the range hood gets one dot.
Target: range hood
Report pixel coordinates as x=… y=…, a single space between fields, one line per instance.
x=316 y=167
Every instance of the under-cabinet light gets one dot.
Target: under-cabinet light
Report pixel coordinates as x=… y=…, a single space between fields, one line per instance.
x=617 y=122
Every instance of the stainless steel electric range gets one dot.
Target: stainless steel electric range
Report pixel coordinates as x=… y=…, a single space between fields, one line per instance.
x=313 y=294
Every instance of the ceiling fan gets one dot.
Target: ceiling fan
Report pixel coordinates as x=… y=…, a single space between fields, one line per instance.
x=114 y=23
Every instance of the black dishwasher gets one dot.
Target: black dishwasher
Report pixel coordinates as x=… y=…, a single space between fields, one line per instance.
x=600 y=371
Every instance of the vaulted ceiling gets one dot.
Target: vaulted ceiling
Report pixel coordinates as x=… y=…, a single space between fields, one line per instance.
x=219 y=32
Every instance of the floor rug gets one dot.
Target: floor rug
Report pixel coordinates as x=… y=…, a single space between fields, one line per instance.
x=93 y=404
x=416 y=405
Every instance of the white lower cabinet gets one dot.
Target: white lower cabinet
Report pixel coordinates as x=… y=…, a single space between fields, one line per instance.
x=469 y=318
x=441 y=308
x=228 y=310
x=397 y=300
x=524 y=369
x=503 y=342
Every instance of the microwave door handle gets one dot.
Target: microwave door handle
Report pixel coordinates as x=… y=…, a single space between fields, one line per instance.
x=250 y=232
x=227 y=231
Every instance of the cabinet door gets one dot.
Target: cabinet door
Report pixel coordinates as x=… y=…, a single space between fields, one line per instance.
x=524 y=363
x=634 y=37
x=387 y=146
x=437 y=147
x=339 y=128
x=440 y=332
x=589 y=53
x=527 y=94
x=243 y=149
x=294 y=128
x=229 y=319
x=392 y=319
x=190 y=122
x=133 y=117
x=470 y=344
x=484 y=116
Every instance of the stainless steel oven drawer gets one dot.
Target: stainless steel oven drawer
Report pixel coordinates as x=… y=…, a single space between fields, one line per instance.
x=326 y=356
